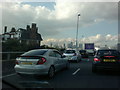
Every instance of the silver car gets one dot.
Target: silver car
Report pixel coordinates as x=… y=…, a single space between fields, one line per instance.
x=72 y=55
x=41 y=62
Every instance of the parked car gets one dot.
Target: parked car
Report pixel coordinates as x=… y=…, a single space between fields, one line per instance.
x=84 y=54
x=106 y=59
x=41 y=62
x=72 y=55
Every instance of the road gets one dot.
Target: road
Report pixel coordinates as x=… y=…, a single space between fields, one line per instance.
x=79 y=75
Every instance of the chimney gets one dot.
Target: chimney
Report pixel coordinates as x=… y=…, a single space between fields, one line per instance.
x=5 y=29
x=33 y=25
x=28 y=27
x=36 y=29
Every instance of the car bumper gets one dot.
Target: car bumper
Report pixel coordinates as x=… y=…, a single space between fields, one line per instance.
x=109 y=66
x=40 y=70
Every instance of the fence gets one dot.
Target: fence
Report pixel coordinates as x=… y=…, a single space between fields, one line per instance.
x=8 y=61
x=10 y=55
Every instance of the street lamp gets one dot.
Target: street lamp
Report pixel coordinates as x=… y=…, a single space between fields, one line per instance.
x=77 y=32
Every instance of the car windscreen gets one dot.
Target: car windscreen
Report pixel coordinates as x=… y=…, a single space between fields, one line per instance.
x=70 y=51
x=108 y=52
x=34 y=53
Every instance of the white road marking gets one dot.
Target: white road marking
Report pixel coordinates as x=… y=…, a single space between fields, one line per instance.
x=7 y=75
x=41 y=82
x=76 y=71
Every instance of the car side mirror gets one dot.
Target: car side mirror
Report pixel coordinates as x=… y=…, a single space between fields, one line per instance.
x=63 y=56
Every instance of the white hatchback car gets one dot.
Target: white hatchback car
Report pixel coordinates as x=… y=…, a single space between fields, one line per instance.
x=72 y=55
x=41 y=61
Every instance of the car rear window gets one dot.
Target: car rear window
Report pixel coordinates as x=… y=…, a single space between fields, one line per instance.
x=108 y=52
x=70 y=51
x=34 y=53
x=82 y=51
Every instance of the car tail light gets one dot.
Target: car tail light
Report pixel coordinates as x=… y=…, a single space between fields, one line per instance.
x=41 y=61
x=109 y=56
x=119 y=60
x=96 y=59
x=16 y=62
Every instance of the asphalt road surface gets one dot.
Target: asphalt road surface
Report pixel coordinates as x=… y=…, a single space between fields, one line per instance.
x=79 y=75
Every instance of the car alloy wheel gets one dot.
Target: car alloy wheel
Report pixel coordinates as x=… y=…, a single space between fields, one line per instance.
x=51 y=72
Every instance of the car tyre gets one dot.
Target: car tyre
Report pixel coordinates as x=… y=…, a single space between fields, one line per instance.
x=51 y=72
x=78 y=60
x=68 y=65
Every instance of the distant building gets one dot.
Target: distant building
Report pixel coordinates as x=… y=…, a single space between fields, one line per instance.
x=9 y=35
x=118 y=46
x=81 y=46
x=70 y=45
x=29 y=35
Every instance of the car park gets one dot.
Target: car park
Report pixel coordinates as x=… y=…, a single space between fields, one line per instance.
x=72 y=55
x=106 y=59
x=41 y=62
x=84 y=54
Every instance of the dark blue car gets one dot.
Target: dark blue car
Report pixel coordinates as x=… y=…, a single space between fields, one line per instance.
x=106 y=59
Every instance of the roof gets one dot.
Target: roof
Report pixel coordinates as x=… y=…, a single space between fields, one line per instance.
x=107 y=49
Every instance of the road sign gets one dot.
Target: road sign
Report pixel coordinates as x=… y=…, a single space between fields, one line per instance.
x=89 y=45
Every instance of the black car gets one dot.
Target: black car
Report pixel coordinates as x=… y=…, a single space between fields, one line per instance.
x=106 y=59
x=83 y=53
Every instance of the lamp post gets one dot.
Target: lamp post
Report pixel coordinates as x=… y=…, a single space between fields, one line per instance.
x=77 y=32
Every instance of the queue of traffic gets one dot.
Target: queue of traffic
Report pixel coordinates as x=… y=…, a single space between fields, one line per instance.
x=49 y=61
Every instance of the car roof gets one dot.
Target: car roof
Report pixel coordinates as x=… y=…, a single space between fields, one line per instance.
x=107 y=49
x=45 y=49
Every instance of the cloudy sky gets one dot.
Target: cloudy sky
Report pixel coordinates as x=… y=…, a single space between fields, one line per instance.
x=57 y=21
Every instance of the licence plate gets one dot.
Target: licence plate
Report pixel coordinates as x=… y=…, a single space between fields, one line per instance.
x=26 y=63
x=109 y=60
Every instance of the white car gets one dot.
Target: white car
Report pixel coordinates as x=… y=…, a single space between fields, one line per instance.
x=41 y=62
x=72 y=55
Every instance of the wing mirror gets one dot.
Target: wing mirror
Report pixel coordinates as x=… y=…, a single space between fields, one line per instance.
x=63 y=56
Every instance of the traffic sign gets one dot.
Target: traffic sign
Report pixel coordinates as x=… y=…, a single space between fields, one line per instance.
x=89 y=45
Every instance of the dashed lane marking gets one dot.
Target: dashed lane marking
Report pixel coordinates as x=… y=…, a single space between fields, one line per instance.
x=76 y=71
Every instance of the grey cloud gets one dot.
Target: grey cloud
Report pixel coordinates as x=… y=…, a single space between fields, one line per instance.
x=52 y=22
x=97 y=39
